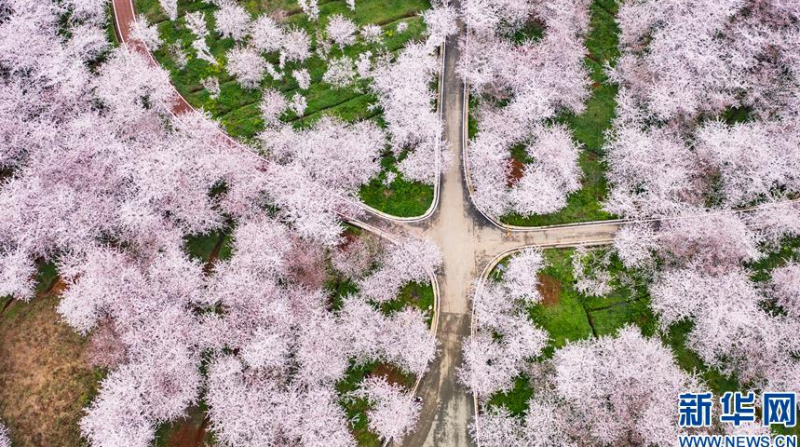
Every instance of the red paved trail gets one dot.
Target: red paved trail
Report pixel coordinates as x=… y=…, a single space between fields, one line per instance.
x=125 y=17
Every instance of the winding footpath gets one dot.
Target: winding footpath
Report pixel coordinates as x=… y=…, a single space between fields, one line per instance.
x=469 y=239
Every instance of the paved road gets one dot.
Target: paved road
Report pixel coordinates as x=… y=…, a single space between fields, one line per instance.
x=468 y=241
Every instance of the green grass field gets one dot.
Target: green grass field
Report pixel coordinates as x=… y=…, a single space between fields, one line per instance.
x=237 y=108
x=567 y=315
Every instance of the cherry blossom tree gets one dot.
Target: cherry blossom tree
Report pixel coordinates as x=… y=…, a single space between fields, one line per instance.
x=520 y=85
x=17 y=277
x=635 y=378
x=196 y=23
x=731 y=331
x=341 y=31
x=441 y=22
x=335 y=154
x=303 y=78
x=341 y=72
x=635 y=245
x=394 y=412
x=170 y=7
x=211 y=84
x=675 y=94
x=108 y=183
x=247 y=66
x=272 y=106
x=310 y=8
x=786 y=283
x=753 y=159
x=146 y=33
x=298 y=104
x=371 y=33
x=520 y=275
x=266 y=35
x=504 y=340
x=403 y=93
x=713 y=243
x=353 y=258
x=5 y=437
x=772 y=222
x=296 y=45
x=232 y=20
x=410 y=261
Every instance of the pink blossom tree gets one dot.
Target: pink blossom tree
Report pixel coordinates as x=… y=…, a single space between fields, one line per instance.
x=404 y=95
x=635 y=378
x=520 y=86
x=232 y=20
x=411 y=260
x=266 y=35
x=341 y=31
x=520 y=276
x=354 y=258
x=394 y=412
x=170 y=7
x=310 y=8
x=273 y=105
x=441 y=22
x=247 y=66
x=146 y=33
x=5 y=437
x=296 y=45
x=341 y=72
x=731 y=332
x=503 y=340
x=786 y=284
x=335 y=155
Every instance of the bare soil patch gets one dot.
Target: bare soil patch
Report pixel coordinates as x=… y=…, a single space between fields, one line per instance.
x=45 y=381
x=191 y=431
x=516 y=172
x=550 y=288
x=391 y=373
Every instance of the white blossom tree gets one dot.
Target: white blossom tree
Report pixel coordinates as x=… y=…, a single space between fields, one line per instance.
x=247 y=66
x=266 y=35
x=786 y=283
x=5 y=437
x=411 y=260
x=394 y=412
x=232 y=20
x=341 y=31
